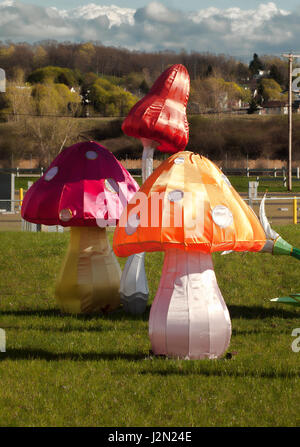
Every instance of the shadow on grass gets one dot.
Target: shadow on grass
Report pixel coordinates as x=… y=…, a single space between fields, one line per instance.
x=99 y=329
x=270 y=331
x=236 y=311
x=32 y=313
x=56 y=329
x=201 y=369
x=208 y=372
x=259 y=312
x=112 y=316
x=41 y=354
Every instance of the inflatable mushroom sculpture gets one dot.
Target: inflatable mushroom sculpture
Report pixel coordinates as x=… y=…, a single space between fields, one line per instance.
x=189 y=210
x=276 y=245
x=159 y=120
x=84 y=188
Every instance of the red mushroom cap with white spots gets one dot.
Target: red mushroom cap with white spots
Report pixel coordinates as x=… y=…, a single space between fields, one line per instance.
x=84 y=186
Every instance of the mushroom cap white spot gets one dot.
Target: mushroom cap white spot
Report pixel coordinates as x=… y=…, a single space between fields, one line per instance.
x=65 y=215
x=91 y=155
x=222 y=216
x=51 y=173
x=176 y=195
x=179 y=160
x=226 y=180
x=111 y=185
x=132 y=224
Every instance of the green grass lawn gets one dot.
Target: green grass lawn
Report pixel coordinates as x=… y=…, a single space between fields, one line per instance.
x=241 y=184
x=22 y=182
x=62 y=370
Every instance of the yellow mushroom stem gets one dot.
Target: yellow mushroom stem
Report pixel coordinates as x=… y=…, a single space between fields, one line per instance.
x=89 y=279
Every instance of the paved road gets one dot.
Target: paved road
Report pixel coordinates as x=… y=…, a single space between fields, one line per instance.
x=10 y=222
x=279 y=212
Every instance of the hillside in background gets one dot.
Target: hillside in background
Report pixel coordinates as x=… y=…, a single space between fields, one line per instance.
x=59 y=93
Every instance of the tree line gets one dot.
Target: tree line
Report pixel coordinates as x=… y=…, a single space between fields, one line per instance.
x=119 y=62
x=51 y=83
x=224 y=84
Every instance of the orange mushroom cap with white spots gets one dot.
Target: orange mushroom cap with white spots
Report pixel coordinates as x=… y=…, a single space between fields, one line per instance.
x=189 y=204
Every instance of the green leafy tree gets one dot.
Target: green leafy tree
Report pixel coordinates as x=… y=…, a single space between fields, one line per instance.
x=54 y=74
x=277 y=69
x=54 y=99
x=216 y=93
x=276 y=74
x=144 y=87
x=253 y=106
x=256 y=64
x=270 y=90
x=110 y=99
x=209 y=71
x=133 y=82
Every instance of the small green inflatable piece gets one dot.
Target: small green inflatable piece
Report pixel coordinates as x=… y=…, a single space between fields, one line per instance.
x=293 y=300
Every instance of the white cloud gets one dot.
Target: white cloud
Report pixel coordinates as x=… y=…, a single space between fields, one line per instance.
x=266 y=29
x=114 y=14
x=157 y=12
x=241 y=21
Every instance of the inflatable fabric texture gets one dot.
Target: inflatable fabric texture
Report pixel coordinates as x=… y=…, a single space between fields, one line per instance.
x=89 y=279
x=188 y=209
x=292 y=299
x=159 y=121
x=84 y=186
x=161 y=115
x=213 y=215
x=189 y=318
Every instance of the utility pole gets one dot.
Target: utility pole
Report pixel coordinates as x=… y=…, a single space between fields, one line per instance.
x=290 y=57
x=2 y=81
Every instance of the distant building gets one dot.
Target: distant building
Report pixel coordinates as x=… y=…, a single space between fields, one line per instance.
x=274 y=108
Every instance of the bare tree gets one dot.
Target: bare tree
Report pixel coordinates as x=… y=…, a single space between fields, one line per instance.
x=46 y=115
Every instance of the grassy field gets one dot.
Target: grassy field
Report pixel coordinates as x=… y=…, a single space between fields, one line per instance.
x=22 y=182
x=241 y=184
x=62 y=370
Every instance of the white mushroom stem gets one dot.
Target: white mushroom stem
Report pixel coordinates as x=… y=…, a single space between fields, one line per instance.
x=189 y=317
x=147 y=162
x=134 y=290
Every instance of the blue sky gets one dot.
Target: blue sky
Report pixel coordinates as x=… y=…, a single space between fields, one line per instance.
x=232 y=27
